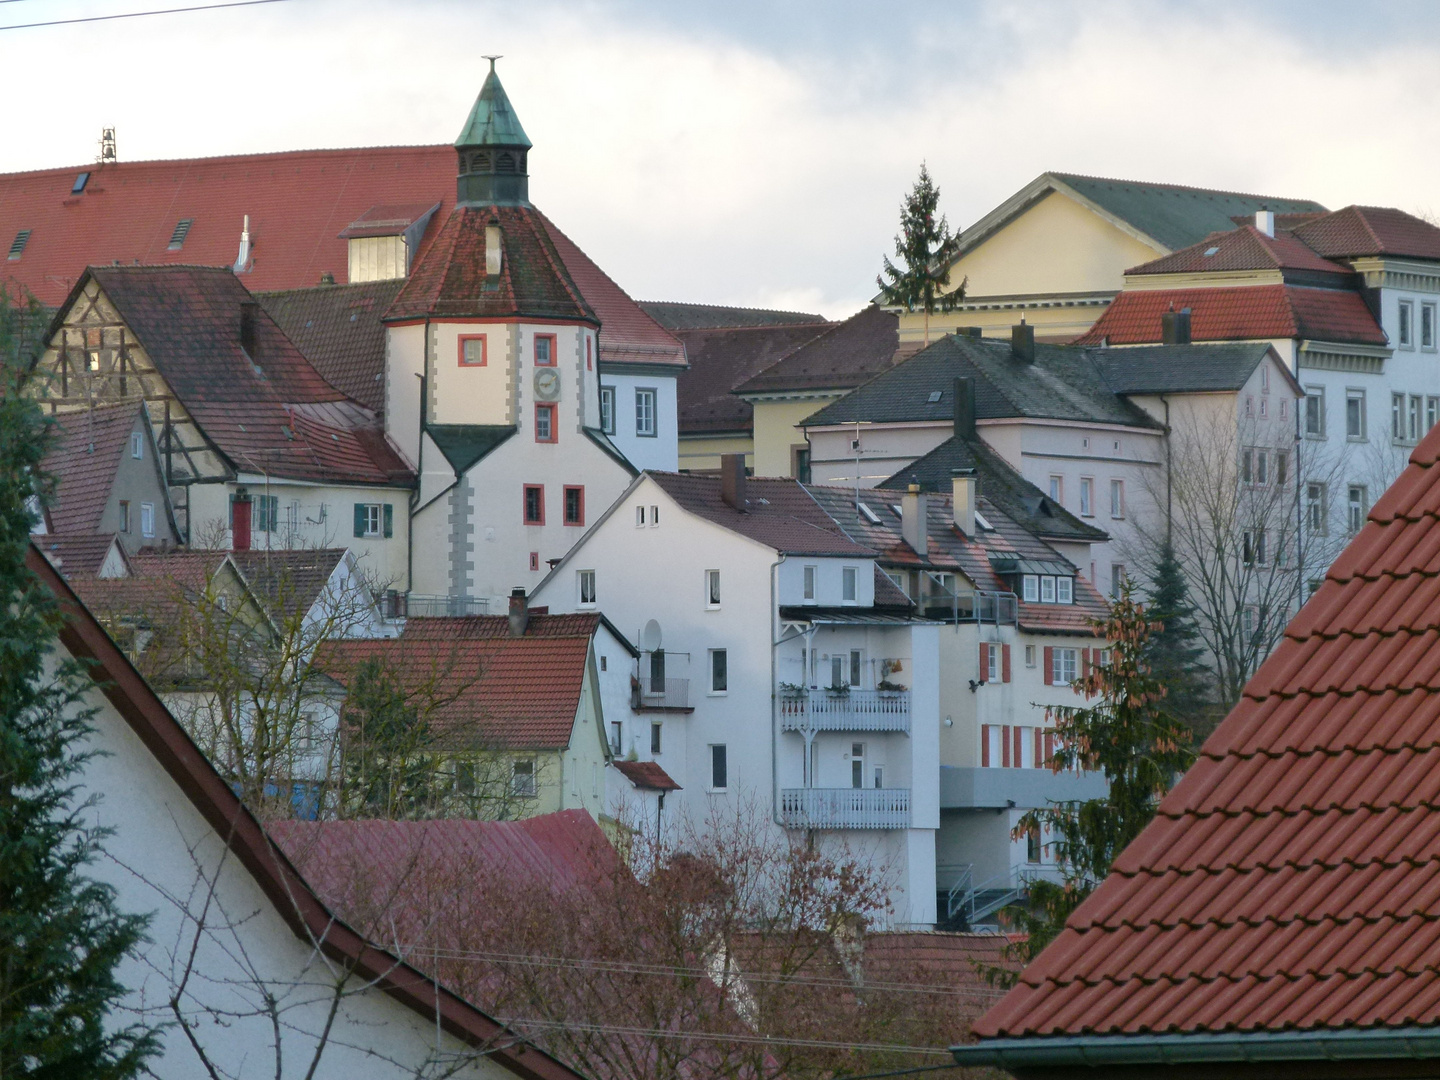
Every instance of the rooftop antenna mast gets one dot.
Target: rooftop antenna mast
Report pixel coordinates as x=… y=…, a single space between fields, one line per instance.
x=492 y=59
x=107 y=147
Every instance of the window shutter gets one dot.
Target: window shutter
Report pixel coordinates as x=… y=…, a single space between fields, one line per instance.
x=1049 y=747
x=984 y=746
x=1004 y=663
x=359 y=519
x=1085 y=662
x=1015 y=756
x=1005 y=746
x=389 y=515
x=1049 y=665
x=984 y=660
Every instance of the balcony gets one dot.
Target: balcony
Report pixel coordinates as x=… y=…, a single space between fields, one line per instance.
x=999 y=608
x=414 y=605
x=845 y=710
x=661 y=682
x=845 y=808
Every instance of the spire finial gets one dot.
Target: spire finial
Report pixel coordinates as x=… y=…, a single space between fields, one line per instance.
x=492 y=60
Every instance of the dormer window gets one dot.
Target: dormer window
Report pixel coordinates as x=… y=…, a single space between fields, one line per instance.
x=1047 y=589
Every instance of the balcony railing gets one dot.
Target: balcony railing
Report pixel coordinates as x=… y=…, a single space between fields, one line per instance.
x=978 y=607
x=662 y=694
x=845 y=710
x=845 y=808
x=417 y=606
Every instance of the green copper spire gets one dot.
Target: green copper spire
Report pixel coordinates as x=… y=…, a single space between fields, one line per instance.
x=493 y=150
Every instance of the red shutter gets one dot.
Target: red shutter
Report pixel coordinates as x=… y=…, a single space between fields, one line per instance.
x=1005 y=746
x=984 y=746
x=1015 y=755
x=1049 y=747
x=1049 y=665
x=984 y=661
x=1084 y=662
x=1004 y=663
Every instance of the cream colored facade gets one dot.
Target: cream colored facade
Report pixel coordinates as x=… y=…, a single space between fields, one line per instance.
x=776 y=433
x=701 y=453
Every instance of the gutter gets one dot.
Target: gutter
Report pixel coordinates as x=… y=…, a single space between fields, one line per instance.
x=1090 y=1050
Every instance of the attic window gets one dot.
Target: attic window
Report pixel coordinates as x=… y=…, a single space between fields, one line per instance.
x=182 y=229
x=870 y=515
x=1211 y=251
x=80 y=182
x=934 y=396
x=17 y=246
x=980 y=520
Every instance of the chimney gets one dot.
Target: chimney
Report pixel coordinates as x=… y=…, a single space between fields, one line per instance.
x=964 y=391
x=519 y=612
x=966 y=491
x=242 y=260
x=968 y=332
x=913 y=522
x=494 y=248
x=240 y=521
x=1175 y=327
x=1265 y=221
x=1022 y=343
x=732 y=480
x=249 y=314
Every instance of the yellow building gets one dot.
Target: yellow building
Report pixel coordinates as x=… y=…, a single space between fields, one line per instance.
x=1054 y=254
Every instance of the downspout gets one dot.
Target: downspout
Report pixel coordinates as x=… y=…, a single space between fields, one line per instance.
x=424 y=378
x=774 y=696
x=1168 y=450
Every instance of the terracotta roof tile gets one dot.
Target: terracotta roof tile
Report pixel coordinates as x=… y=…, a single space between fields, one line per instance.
x=84 y=459
x=646 y=774
x=76 y=555
x=1243 y=313
x=485 y=687
x=1291 y=880
x=1357 y=231
x=1245 y=248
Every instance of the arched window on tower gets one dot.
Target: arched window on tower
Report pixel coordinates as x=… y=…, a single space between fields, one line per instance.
x=480 y=161
x=505 y=163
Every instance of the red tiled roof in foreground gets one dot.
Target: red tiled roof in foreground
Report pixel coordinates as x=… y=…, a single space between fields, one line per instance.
x=298 y=204
x=1245 y=248
x=1357 y=231
x=1291 y=880
x=1244 y=313
x=647 y=774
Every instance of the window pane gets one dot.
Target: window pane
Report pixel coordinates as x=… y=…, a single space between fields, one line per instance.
x=809 y=583
x=587 y=586
x=848 y=584
x=607 y=410
x=717 y=670
x=712 y=587
x=718 y=771
x=854 y=667
x=644 y=412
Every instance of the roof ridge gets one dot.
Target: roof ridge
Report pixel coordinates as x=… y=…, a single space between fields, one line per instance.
x=93 y=168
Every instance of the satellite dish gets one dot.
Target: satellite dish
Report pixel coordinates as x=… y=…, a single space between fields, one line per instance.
x=650 y=636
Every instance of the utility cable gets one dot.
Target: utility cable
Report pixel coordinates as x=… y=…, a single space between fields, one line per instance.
x=137 y=14
x=711 y=1036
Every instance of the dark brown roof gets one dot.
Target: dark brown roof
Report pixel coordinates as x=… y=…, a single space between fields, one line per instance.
x=1291 y=880
x=83 y=459
x=293 y=899
x=388 y=219
x=679 y=316
x=338 y=328
x=1357 y=231
x=720 y=360
x=449 y=279
x=647 y=774
x=78 y=555
x=779 y=513
x=1245 y=248
x=843 y=357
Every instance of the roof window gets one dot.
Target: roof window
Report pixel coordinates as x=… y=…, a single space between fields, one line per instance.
x=182 y=230
x=934 y=396
x=870 y=515
x=1211 y=251
x=17 y=246
x=80 y=182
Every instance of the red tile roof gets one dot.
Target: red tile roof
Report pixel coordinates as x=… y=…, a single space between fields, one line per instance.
x=486 y=688
x=449 y=280
x=779 y=513
x=77 y=555
x=1357 y=231
x=1245 y=248
x=1244 y=313
x=83 y=460
x=628 y=334
x=647 y=774
x=390 y=220
x=298 y=204
x=1291 y=880
x=272 y=412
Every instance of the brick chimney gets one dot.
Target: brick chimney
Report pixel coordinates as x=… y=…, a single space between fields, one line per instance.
x=519 y=612
x=1022 y=343
x=732 y=480
x=914 y=524
x=964 y=390
x=966 y=491
x=1175 y=327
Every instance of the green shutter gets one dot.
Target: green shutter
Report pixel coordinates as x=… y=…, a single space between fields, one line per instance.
x=359 y=519
x=389 y=513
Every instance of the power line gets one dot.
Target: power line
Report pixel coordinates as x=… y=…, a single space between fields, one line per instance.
x=712 y=1036
x=136 y=14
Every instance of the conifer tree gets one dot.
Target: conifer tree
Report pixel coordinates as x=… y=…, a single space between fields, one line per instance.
x=927 y=248
x=61 y=935
x=1173 y=652
x=1129 y=736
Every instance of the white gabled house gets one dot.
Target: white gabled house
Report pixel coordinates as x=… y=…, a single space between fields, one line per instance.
x=737 y=590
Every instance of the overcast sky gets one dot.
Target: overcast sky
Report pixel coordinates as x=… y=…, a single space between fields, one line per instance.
x=755 y=151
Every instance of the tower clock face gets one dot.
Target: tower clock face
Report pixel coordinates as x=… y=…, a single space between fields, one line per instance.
x=547 y=384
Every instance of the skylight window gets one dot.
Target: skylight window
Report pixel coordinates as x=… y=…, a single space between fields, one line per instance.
x=934 y=396
x=870 y=515
x=1210 y=251
x=182 y=230
x=80 y=182
x=17 y=246
x=980 y=520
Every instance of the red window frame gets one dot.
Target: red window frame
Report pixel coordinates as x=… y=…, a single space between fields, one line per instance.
x=539 y=490
x=554 y=414
x=589 y=353
x=552 y=340
x=484 y=349
x=579 y=493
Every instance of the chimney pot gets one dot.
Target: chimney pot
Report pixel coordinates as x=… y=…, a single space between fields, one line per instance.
x=1265 y=221
x=913 y=520
x=964 y=391
x=1022 y=343
x=965 y=489
x=732 y=480
x=519 y=612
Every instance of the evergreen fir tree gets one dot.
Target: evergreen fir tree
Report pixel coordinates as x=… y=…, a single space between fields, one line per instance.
x=927 y=248
x=61 y=935
x=1130 y=737
x=1174 y=652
